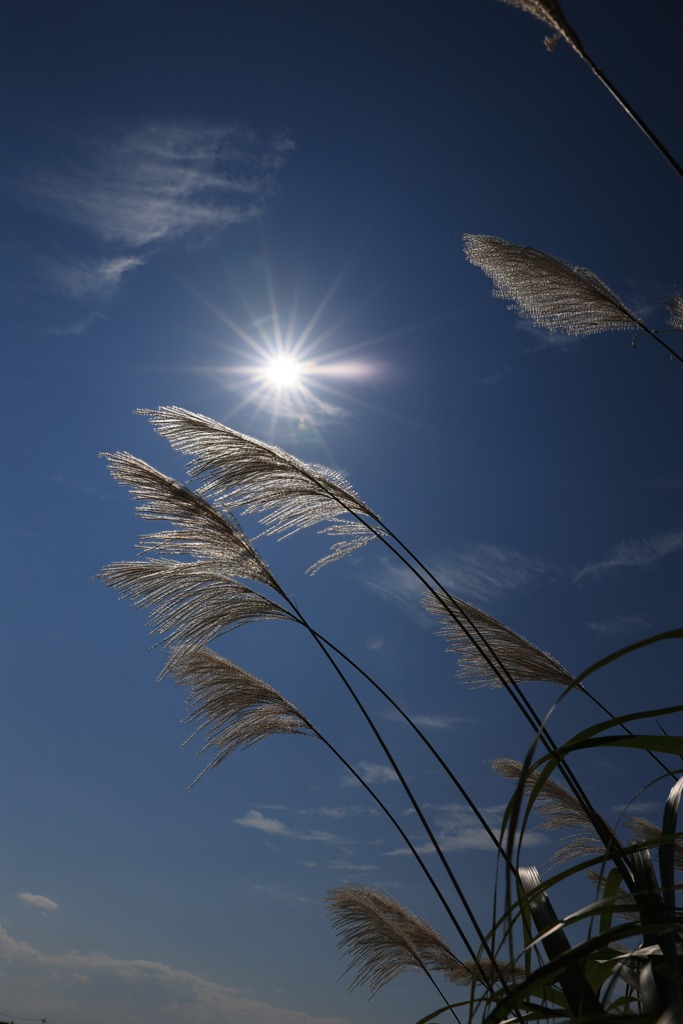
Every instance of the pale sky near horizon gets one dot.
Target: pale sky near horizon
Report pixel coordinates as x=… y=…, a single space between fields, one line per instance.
x=187 y=191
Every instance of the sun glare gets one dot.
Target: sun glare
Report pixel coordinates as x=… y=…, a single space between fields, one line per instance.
x=283 y=372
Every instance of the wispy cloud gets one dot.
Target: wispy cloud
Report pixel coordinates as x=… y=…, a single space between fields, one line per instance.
x=133 y=193
x=347 y=865
x=636 y=553
x=138 y=991
x=428 y=721
x=496 y=377
x=81 y=279
x=372 y=773
x=41 y=902
x=478 y=573
x=458 y=830
x=619 y=624
x=436 y=721
x=338 y=812
x=275 y=827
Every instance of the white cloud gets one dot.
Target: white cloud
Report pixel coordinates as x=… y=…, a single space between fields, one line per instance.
x=372 y=773
x=347 y=865
x=619 y=624
x=339 y=812
x=163 y=181
x=633 y=553
x=436 y=721
x=456 y=830
x=41 y=902
x=82 y=279
x=131 y=194
x=137 y=991
x=478 y=573
x=430 y=721
x=275 y=827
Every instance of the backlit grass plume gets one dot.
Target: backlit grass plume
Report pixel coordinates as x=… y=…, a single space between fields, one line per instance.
x=201 y=577
x=500 y=655
x=190 y=602
x=550 y=12
x=559 y=809
x=554 y=295
x=550 y=292
x=261 y=479
x=194 y=601
x=200 y=530
x=230 y=707
x=383 y=939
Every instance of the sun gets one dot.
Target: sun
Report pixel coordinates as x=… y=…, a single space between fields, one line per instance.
x=284 y=371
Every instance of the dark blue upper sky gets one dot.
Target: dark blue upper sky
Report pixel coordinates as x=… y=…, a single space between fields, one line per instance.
x=187 y=189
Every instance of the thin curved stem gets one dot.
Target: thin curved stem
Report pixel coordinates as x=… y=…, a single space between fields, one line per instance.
x=404 y=836
x=411 y=797
x=430 y=747
x=647 y=330
x=628 y=109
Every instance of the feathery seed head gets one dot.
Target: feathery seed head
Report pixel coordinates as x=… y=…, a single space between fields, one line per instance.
x=550 y=292
x=551 y=14
x=200 y=530
x=383 y=939
x=490 y=653
x=647 y=832
x=676 y=312
x=558 y=807
x=231 y=707
x=190 y=602
x=261 y=479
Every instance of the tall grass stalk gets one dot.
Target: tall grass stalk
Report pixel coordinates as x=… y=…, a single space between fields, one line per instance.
x=223 y=582
x=616 y=957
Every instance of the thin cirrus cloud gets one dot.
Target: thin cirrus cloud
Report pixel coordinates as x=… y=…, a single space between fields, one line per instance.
x=457 y=830
x=41 y=902
x=371 y=773
x=619 y=624
x=133 y=193
x=274 y=827
x=478 y=573
x=137 y=991
x=635 y=553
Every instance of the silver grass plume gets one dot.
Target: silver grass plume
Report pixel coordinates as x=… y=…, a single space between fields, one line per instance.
x=230 y=707
x=558 y=807
x=550 y=12
x=622 y=901
x=508 y=655
x=383 y=939
x=647 y=832
x=201 y=531
x=550 y=292
x=262 y=479
x=676 y=312
x=191 y=602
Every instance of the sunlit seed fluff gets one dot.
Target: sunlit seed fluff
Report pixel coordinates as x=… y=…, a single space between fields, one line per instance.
x=256 y=477
x=550 y=12
x=231 y=708
x=383 y=939
x=491 y=654
x=356 y=535
x=550 y=292
x=189 y=602
x=559 y=809
x=200 y=530
x=647 y=832
x=676 y=312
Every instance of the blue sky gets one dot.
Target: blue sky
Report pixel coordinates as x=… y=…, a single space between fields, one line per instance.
x=186 y=191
